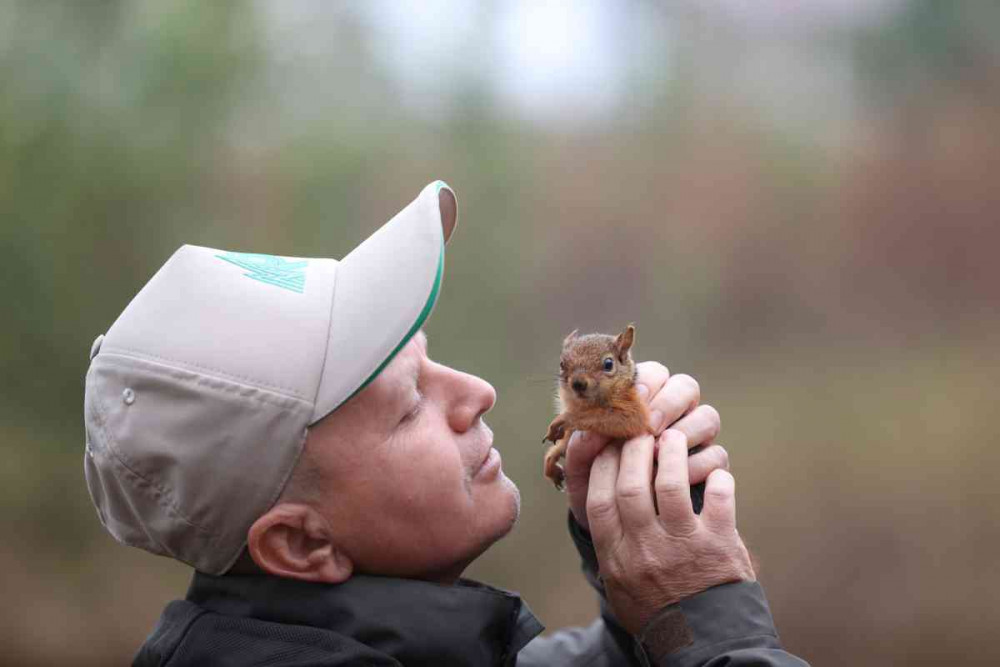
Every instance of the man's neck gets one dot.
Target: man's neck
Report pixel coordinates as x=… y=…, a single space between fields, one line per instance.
x=246 y=566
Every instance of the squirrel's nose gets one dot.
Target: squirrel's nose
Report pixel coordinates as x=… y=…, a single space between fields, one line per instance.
x=579 y=385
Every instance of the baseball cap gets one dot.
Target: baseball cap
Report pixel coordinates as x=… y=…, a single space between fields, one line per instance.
x=199 y=396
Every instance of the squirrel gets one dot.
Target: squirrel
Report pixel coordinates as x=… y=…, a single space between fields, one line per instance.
x=596 y=392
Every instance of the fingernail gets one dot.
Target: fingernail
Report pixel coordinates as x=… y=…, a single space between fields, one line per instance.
x=656 y=419
x=642 y=390
x=575 y=438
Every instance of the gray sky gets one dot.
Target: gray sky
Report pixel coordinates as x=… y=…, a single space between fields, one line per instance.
x=568 y=63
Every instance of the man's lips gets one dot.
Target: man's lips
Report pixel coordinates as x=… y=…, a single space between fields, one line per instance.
x=486 y=454
x=489 y=453
x=490 y=465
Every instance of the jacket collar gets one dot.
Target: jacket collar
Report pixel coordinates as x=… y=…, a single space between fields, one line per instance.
x=416 y=622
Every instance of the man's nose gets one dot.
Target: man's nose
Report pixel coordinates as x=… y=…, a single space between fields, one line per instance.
x=580 y=384
x=475 y=397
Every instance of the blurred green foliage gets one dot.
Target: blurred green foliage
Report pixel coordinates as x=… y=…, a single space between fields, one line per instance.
x=823 y=263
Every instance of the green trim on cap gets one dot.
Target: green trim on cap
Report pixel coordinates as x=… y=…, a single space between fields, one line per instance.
x=416 y=325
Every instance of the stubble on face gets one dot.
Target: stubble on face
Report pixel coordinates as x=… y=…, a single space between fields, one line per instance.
x=398 y=439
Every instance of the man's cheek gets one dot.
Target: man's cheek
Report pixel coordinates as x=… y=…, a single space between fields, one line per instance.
x=424 y=485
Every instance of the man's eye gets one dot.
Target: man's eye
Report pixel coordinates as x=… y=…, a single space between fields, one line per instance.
x=609 y=364
x=414 y=411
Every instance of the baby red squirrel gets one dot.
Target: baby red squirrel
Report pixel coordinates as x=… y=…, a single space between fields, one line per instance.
x=597 y=393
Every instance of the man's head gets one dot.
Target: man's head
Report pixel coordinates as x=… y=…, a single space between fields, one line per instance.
x=402 y=480
x=230 y=373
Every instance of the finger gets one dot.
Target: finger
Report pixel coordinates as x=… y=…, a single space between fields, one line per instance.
x=719 y=513
x=652 y=376
x=701 y=425
x=678 y=396
x=673 y=491
x=602 y=508
x=702 y=463
x=634 y=492
x=582 y=449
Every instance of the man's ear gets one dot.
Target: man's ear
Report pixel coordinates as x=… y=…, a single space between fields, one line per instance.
x=623 y=343
x=294 y=540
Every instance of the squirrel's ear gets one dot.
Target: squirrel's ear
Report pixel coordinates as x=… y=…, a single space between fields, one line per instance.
x=624 y=343
x=570 y=337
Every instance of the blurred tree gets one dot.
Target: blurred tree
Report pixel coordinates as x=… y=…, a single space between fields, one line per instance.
x=109 y=116
x=931 y=42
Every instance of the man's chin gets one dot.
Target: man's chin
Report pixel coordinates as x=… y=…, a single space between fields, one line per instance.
x=498 y=528
x=515 y=497
x=503 y=521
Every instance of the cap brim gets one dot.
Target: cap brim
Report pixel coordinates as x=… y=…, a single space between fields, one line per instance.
x=385 y=290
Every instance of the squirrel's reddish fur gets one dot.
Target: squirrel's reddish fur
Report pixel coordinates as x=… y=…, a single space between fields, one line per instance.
x=597 y=393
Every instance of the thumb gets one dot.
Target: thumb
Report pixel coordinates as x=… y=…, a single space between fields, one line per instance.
x=582 y=449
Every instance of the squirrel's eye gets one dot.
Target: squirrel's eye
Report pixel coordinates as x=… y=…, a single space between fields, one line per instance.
x=562 y=366
x=609 y=364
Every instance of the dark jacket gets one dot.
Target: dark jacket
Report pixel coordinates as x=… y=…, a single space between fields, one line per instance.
x=260 y=620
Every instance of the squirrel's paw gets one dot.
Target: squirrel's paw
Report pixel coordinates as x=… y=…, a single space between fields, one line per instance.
x=557 y=429
x=552 y=469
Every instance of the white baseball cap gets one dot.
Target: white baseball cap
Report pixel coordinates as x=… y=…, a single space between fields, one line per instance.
x=198 y=397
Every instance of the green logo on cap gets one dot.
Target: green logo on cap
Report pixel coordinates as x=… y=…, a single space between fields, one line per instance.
x=270 y=269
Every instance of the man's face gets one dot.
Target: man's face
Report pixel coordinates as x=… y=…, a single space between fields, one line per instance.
x=409 y=480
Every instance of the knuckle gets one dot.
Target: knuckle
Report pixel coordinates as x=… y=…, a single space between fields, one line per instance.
x=723 y=493
x=600 y=507
x=719 y=494
x=611 y=570
x=670 y=488
x=689 y=533
x=647 y=568
x=674 y=437
x=630 y=491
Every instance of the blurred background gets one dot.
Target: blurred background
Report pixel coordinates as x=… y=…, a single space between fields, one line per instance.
x=796 y=202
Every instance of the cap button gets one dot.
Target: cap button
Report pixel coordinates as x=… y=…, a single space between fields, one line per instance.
x=96 y=347
x=128 y=396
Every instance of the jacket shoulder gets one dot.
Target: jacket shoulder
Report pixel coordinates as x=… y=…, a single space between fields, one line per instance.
x=173 y=625
x=187 y=634
x=592 y=646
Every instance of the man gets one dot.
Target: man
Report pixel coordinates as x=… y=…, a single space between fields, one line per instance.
x=278 y=424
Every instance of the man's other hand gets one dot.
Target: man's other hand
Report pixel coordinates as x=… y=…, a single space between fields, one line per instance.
x=651 y=559
x=674 y=403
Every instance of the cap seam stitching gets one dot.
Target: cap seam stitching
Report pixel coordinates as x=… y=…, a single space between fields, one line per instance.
x=291 y=393
x=274 y=497
x=260 y=397
x=165 y=493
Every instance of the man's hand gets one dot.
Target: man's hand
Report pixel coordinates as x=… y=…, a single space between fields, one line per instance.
x=673 y=400
x=649 y=560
